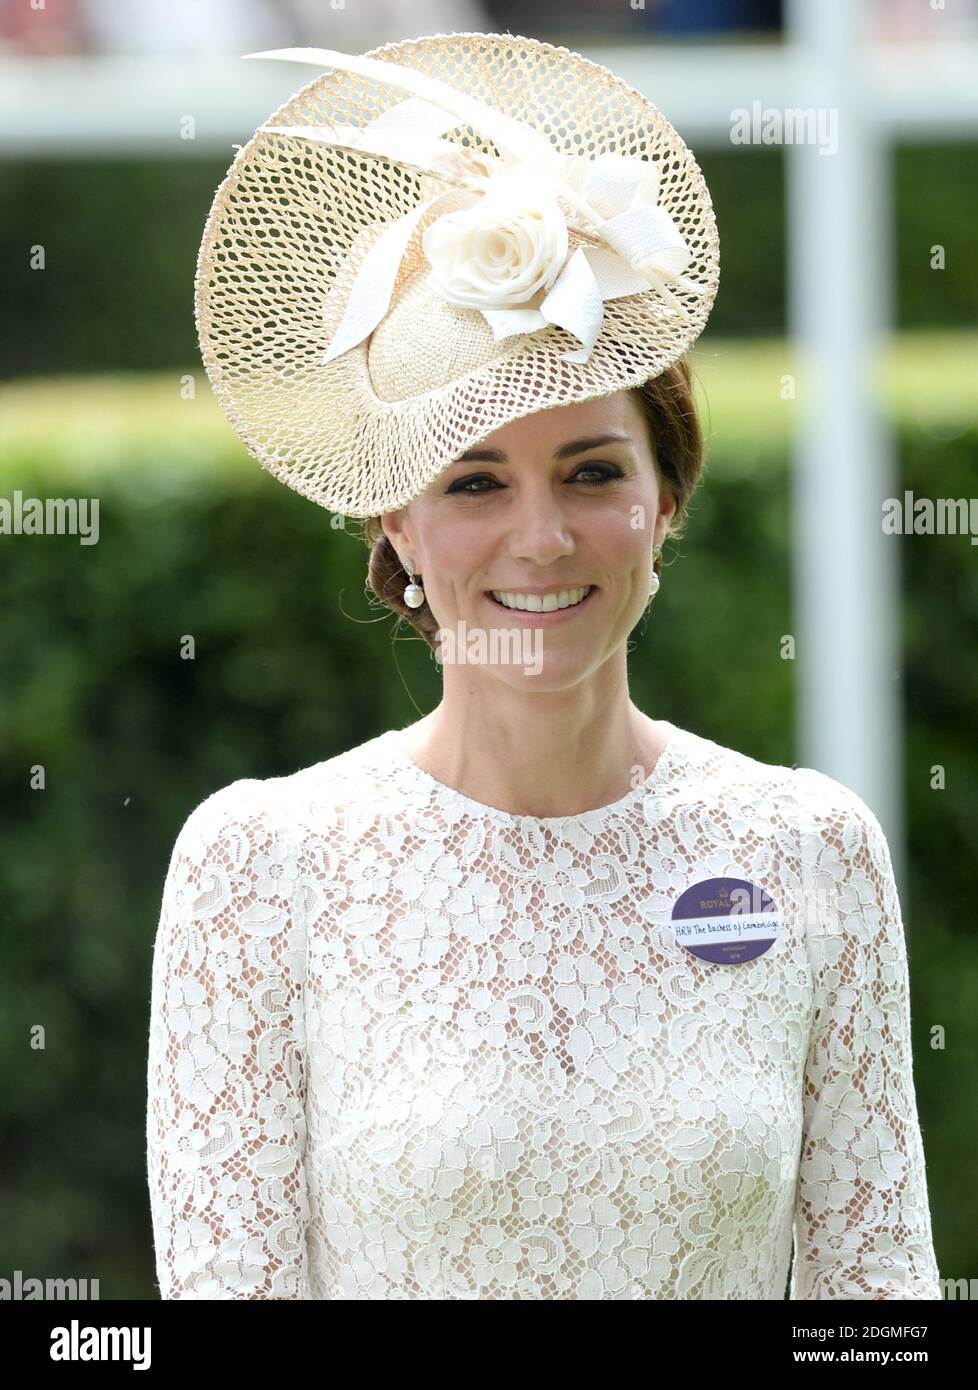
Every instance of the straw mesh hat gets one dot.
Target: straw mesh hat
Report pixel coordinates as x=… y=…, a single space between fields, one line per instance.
x=434 y=239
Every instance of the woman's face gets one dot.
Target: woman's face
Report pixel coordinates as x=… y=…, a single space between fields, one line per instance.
x=531 y=507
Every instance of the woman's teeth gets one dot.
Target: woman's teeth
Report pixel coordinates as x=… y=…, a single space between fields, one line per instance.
x=542 y=603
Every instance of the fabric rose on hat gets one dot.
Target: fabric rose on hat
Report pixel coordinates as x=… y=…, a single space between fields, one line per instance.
x=502 y=251
x=499 y=253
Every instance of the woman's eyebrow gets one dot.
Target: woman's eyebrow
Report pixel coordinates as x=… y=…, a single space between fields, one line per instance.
x=575 y=446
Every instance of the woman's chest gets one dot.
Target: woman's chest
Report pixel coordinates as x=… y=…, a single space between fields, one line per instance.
x=483 y=1039
x=557 y=960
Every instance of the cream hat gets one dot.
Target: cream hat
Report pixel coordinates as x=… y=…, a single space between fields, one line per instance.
x=434 y=239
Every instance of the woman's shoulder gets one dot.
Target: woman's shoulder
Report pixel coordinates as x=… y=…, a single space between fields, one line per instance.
x=219 y=809
x=339 y=783
x=732 y=774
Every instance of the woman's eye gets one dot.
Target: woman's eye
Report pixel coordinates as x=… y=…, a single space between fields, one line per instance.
x=605 y=472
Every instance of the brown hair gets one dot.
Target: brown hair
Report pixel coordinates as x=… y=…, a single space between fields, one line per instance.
x=678 y=448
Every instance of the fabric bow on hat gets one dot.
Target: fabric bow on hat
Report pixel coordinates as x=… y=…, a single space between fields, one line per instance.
x=506 y=252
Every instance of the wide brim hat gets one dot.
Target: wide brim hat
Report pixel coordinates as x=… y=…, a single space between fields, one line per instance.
x=436 y=238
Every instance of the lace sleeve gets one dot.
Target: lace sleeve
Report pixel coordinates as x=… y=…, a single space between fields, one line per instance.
x=226 y=1073
x=861 y=1223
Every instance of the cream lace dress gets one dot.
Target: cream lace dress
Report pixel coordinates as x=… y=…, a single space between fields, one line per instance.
x=407 y=1046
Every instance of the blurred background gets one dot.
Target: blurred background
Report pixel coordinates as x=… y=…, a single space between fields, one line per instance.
x=838 y=370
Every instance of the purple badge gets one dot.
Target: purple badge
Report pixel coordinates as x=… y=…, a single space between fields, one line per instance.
x=725 y=920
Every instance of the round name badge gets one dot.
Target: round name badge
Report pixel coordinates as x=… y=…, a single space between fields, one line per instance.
x=726 y=920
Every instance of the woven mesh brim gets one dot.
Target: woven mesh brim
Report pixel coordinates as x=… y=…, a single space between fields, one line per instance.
x=292 y=219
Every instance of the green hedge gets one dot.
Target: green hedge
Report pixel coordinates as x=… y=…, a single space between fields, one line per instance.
x=121 y=238
x=293 y=666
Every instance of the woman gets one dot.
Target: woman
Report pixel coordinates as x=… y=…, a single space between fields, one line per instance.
x=537 y=998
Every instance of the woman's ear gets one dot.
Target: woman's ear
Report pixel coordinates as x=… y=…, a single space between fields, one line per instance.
x=393 y=527
x=667 y=505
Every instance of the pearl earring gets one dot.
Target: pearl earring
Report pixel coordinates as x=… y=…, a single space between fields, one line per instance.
x=654 y=580
x=413 y=594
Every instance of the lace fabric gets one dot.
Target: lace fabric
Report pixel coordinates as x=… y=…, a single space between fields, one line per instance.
x=403 y=1045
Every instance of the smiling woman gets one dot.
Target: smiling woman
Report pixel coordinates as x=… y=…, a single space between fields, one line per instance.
x=674 y=438
x=473 y=1010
